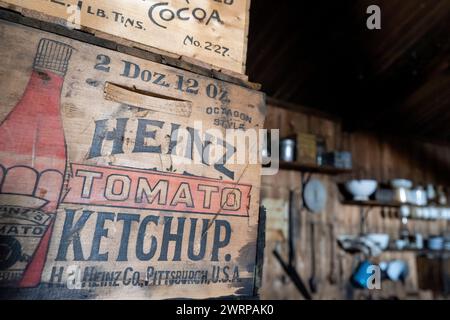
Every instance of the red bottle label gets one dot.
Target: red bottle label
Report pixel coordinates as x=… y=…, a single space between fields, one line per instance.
x=32 y=167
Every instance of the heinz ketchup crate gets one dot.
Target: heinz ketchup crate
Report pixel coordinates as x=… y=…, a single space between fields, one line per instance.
x=117 y=178
x=211 y=32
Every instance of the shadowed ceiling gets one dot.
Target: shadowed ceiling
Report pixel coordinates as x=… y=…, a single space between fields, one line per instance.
x=320 y=54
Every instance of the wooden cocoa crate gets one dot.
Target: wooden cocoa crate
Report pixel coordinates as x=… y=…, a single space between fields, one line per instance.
x=108 y=184
x=210 y=33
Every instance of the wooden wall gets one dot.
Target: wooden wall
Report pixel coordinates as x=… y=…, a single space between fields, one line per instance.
x=374 y=156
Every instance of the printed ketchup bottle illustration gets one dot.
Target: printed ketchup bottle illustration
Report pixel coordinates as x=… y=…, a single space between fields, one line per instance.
x=32 y=167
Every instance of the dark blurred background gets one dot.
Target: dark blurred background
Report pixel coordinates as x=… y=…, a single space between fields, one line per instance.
x=320 y=54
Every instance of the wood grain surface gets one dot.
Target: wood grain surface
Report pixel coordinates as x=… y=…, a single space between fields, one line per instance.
x=137 y=218
x=208 y=31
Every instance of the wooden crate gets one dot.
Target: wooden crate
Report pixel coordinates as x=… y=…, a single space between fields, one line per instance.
x=211 y=32
x=99 y=198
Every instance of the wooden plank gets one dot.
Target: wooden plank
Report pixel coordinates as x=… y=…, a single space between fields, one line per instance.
x=139 y=100
x=201 y=69
x=312 y=168
x=295 y=108
x=104 y=143
x=207 y=31
x=383 y=160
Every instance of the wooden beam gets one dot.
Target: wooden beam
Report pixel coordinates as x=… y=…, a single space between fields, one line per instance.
x=301 y=109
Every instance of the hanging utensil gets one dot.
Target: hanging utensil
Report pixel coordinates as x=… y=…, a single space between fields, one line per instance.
x=312 y=280
x=289 y=268
x=332 y=277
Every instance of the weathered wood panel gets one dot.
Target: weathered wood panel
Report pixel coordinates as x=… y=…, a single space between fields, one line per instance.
x=211 y=31
x=105 y=185
x=375 y=156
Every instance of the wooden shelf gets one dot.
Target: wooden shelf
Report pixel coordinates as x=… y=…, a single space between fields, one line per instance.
x=371 y=203
x=313 y=168
x=375 y=203
x=419 y=251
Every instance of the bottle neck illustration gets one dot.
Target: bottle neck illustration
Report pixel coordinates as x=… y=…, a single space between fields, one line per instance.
x=34 y=126
x=33 y=152
x=32 y=147
x=33 y=130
